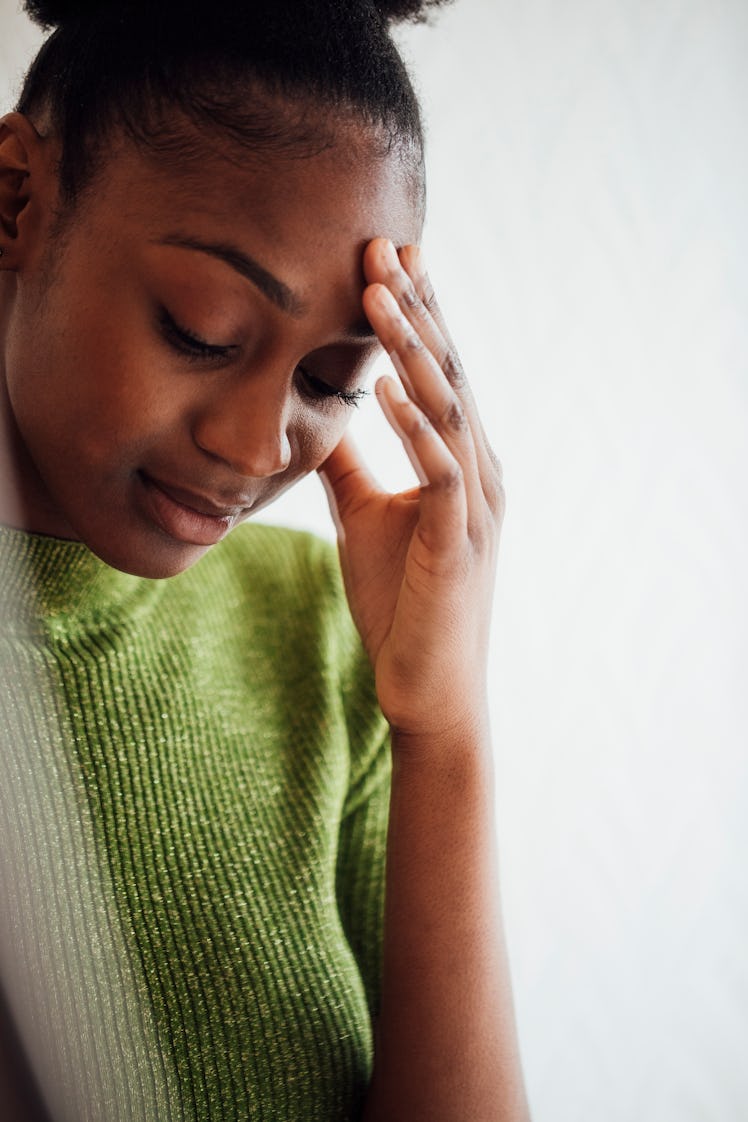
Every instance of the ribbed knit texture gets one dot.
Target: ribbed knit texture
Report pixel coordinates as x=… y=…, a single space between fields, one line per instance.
x=192 y=826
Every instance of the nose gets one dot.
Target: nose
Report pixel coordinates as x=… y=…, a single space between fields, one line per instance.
x=246 y=427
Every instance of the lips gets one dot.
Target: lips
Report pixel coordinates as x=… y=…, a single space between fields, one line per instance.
x=201 y=503
x=188 y=516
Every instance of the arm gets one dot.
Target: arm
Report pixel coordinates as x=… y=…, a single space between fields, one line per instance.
x=419 y=568
x=446 y=1048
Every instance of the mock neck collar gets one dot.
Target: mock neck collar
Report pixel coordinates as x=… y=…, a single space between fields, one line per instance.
x=62 y=586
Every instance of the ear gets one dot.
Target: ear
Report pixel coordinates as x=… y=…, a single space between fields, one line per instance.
x=25 y=171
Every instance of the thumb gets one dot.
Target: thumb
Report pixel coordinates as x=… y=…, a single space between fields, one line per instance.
x=347 y=480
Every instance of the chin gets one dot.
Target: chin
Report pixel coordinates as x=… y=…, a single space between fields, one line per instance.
x=155 y=561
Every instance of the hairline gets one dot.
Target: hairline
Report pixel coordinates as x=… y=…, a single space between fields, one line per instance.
x=189 y=139
x=69 y=208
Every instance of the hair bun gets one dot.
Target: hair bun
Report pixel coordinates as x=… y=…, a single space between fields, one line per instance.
x=394 y=11
x=53 y=13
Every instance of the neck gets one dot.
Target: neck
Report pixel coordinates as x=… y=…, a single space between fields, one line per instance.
x=24 y=504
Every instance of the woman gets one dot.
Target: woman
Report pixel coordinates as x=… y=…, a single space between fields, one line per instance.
x=199 y=217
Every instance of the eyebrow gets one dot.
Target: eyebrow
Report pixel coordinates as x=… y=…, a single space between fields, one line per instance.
x=275 y=290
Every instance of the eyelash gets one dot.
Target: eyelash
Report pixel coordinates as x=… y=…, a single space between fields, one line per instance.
x=192 y=346
x=322 y=390
x=196 y=349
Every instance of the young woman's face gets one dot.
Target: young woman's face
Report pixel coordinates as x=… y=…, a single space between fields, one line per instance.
x=192 y=346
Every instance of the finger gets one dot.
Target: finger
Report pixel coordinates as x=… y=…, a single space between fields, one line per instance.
x=386 y=266
x=426 y=385
x=346 y=479
x=411 y=259
x=443 y=509
x=418 y=367
x=413 y=264
x=406 y=277
x=382 y=265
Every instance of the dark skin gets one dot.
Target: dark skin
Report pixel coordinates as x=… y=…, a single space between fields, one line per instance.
x=106 y=391
x=144 y=445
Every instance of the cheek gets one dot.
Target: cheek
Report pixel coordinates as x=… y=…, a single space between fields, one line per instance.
x=315 y=436
x=89 y=394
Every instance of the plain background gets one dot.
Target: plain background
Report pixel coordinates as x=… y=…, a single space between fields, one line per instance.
x=588 y=172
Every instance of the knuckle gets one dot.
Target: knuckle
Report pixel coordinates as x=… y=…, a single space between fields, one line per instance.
x=409 y=299
x=412 y=305
x=496 y=499
x=453 y=371
x=454 y=417
x=428 y=296
x=496 y=465
x=419 y=422
x=480 y=536
x=450 y=479
x=492 y=479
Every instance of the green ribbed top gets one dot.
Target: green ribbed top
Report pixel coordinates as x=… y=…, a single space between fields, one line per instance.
x=192 y=827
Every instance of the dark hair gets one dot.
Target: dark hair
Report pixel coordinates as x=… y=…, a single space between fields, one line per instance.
x=260 y=71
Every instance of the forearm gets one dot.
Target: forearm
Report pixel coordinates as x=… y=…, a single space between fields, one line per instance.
x=419 y=571
x=446 y=1048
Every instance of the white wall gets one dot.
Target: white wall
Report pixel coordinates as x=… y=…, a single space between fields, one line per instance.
x=588 y=178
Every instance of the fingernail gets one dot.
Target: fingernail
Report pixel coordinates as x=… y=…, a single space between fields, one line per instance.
x=387 y=382
x=386 y=404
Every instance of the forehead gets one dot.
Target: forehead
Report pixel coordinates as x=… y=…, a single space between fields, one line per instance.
x=303 y=213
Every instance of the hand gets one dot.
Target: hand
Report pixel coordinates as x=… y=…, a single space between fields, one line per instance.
x=419 y=565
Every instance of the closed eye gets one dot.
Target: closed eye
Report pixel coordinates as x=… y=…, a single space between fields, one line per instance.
x=189 y=344
x=192 y=346
x=316 y=388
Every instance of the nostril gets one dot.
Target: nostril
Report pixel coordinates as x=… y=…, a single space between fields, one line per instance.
x=250 y=450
